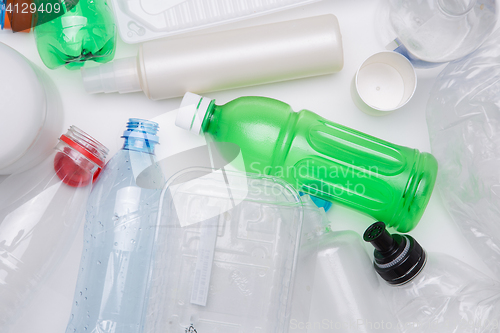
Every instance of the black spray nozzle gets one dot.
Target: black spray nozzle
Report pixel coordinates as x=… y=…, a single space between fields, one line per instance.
x=380 y=238
x=397 y=258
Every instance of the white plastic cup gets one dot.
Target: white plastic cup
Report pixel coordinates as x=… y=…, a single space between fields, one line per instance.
x=385 y=82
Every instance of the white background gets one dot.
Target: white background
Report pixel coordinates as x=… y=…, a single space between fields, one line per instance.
x=364 y=32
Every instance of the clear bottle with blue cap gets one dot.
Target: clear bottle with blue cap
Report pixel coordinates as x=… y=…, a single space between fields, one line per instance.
x=118 y=238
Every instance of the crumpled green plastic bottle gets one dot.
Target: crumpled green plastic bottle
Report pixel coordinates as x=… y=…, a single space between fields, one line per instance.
x=86 y=32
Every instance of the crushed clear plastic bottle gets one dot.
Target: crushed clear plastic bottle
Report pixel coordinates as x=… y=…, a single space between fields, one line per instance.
x=433 y=293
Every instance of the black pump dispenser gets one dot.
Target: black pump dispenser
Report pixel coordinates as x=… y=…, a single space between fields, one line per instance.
x=398 y=258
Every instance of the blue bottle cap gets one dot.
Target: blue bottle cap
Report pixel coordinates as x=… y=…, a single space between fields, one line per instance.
x=326 y=205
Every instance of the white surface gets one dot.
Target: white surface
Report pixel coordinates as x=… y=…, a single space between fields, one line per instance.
x=105 y=116
x=142 y=20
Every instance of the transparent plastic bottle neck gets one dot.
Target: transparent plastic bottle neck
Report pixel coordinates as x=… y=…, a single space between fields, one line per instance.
x=140 y=136
x=456 y=8
x=79 y=157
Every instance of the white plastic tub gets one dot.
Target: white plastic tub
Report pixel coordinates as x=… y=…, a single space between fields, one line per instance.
x=142 y=20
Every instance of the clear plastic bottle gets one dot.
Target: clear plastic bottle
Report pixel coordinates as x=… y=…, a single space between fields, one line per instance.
x=84 y=32
x=434 y=293
x=40 y=214
x=346 y=294
x=437 y=31
x=119 y=231
x=170 y=67
x=319 y=157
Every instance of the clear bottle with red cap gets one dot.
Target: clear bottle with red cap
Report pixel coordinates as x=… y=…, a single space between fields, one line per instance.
x=40 y=214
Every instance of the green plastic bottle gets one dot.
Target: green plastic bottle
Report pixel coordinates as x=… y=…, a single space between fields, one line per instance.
x=335 y=163
x=84 y=32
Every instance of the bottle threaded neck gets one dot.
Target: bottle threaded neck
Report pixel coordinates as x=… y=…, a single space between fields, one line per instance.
x=80 y=158
x=140 y=135
x=92 y=149
x=145 y=126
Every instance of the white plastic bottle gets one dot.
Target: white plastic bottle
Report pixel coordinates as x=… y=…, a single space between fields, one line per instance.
x=435 y=292
x=275 y=52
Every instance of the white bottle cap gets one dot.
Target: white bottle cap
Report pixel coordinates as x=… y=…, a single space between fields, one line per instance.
x=385 y=82
x=192 y=112
x=120 y=76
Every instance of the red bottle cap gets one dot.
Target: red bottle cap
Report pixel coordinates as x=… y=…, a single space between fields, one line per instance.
x=78 y=173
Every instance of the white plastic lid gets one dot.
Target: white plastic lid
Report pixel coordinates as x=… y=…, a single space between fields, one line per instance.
x=192 y=112
x=24 y=106
x=385 y=82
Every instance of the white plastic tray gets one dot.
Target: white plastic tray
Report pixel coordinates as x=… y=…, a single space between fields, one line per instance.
x=142 y=20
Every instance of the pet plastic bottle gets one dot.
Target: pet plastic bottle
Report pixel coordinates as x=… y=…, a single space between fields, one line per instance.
x=437 y=31
x=40 y=214
x=319 y=157
x=170 y=67
x=85 y=32
x=434 y=292
x=110 y=294
x=346 y=294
